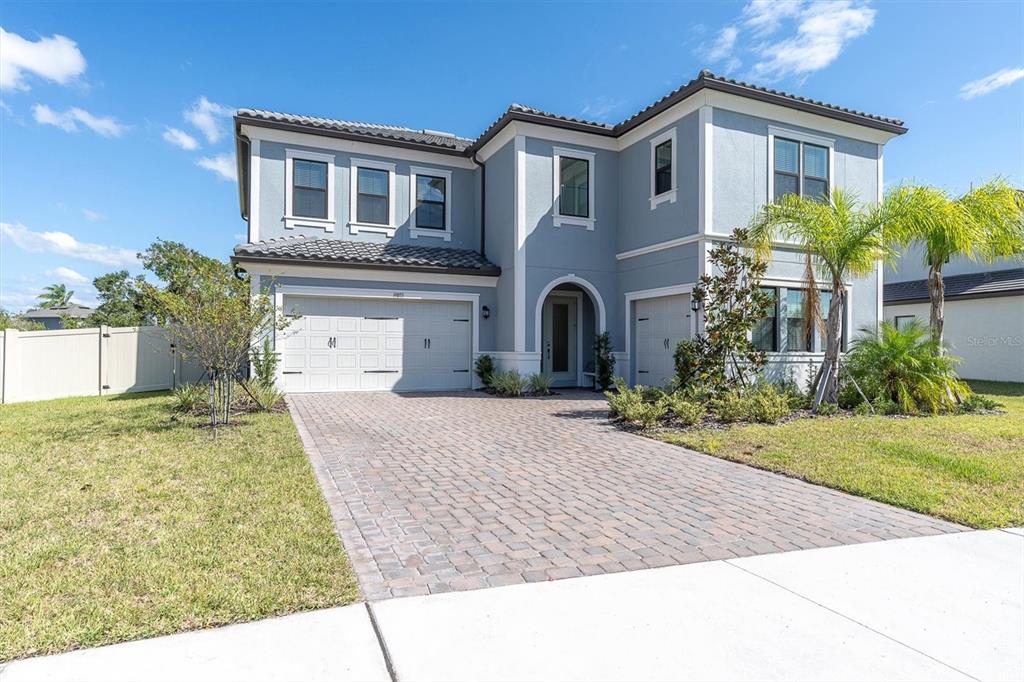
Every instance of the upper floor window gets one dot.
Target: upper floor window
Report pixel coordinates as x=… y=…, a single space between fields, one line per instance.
x=372 y=198
x=430 y=206
x=309 y=189
x=663 y=168
x=800 y=167
x=574 y=188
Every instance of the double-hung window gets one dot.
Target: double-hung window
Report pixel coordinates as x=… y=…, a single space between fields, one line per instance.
x=309 y=189
x=663 y=168
x=800 y=167
x=372 y=198
x=573 y=188
x=430 y=203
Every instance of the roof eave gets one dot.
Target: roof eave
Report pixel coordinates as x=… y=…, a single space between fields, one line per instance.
x=241 y=259
x=241 y=120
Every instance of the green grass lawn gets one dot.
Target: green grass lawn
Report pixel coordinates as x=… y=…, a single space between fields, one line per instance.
x=117 y=523
x=965 y=468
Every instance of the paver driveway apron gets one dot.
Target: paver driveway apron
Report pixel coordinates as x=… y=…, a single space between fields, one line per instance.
x=454 y=491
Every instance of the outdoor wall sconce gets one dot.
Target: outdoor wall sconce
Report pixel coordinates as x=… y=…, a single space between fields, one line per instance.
x=485 y=312
x=694 y=304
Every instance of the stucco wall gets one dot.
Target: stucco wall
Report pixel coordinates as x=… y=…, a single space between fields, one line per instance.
x=987 y=333
x=910 y=266
x=499 y=241
x=463 y=193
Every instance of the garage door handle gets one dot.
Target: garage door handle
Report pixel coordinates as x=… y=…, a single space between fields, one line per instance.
x=291 y=372
x=643 y=371
x=460 y=371
x=380 y=371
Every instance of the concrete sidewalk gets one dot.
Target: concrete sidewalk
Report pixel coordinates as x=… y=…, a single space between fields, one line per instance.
x=947 y=607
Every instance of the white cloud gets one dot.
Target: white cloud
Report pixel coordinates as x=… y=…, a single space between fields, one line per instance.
x=67 y=275
x=56 y=58
x=764 y=17
x=601 y=107
x=222 y=164
x=64 y=244
x=179 y=138
x=723 y=45
x=6 y=108
x=1000 y=79
x=206 y=116
x=92 y=216
x=69 y=120
x=823 y=30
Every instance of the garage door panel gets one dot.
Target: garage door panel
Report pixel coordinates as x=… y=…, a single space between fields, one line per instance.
x=377 y=344
x=660 y=323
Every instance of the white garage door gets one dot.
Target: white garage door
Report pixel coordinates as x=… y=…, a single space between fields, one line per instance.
x=348 y=344
x=661 y=323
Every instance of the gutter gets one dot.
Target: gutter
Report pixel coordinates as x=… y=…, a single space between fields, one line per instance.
x=483 y=272
x=483 y=203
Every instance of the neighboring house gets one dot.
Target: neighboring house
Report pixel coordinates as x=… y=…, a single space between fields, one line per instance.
x=407 y=253
x=983 y=311
x=52 y=318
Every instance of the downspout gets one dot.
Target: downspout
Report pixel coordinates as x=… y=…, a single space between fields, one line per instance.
x=483 y=204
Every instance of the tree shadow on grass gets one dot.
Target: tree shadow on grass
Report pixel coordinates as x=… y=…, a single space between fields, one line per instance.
x=1010 y=389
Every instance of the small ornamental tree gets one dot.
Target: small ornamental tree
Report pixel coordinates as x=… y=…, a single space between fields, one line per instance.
x=732 y=300
x=604 y=361
x=213 y=318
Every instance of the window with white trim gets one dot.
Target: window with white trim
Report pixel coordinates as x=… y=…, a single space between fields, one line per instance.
x=430 y=203
x=573 y=202
x=663 y=168
x=309 y=189
x=372 y=197
x=801 y=165
x=903 y=322
x=785 y=326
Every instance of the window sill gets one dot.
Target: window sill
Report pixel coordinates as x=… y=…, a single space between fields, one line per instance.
x=416 y=232
x=669 y=196
x=561 y=220
x=292 y=221
x=356 y=228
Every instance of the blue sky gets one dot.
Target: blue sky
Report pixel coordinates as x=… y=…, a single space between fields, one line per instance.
x=115 y=118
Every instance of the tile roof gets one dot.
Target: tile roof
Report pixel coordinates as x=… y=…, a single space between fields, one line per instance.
x=348 y=252
x=430 y=138
x=74 y=310
x=975 y=284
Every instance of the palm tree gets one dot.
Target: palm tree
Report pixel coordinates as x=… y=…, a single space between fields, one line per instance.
x=984 y=224
x=55 y=296
x=842 y=239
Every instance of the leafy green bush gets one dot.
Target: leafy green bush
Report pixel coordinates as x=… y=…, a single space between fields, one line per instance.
x=540 y=384
x=604 y=361
x=905 y=366
x=189 y=398
x=686 y=411
x=979 y=403
x=731 y=407
x=687 y=357
x=766 y=403
x=510 y=384
x=826 y=409
x=650 y=394
x=885 y=406
x=484 y=368
x=264 y=364
x=631 y=405
x=797 y=398
x=862 y=409
x=264 y=397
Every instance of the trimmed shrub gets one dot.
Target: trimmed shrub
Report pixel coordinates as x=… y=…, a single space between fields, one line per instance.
x=510 y=384
x=631 y=405
x=862 y=409
x=540 y=384
x=686 y=412
x=484 y=368
x=885 y=406
x=731 y=407
x=979 y=403
x=826 y=409
x=767 y=404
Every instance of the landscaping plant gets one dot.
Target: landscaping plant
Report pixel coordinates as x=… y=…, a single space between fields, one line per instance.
x=263 y=363
x=767 y=403
x=55 y=296
x=842 y=240
x=604 y=361
x=484 y=368
x=686 y=411
x=510 y=384
x=540 y=384
x=723 y=356
x=984 y=224
x=904 y=367
x=631 y=404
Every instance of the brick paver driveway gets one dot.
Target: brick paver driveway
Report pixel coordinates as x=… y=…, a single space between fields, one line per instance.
x=441 y=492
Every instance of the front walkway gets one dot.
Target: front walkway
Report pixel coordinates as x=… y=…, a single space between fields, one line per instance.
x=949 y=607
x=442 y=492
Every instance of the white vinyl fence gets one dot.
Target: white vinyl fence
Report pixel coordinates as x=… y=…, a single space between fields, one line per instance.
x=96 y=361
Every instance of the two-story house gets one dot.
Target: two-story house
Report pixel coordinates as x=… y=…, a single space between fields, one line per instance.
x=404 y=254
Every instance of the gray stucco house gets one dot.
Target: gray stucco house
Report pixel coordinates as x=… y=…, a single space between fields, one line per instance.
x=53 y=318
x=406 y=253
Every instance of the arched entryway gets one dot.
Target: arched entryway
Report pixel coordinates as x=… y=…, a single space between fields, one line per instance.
x=569 y=313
